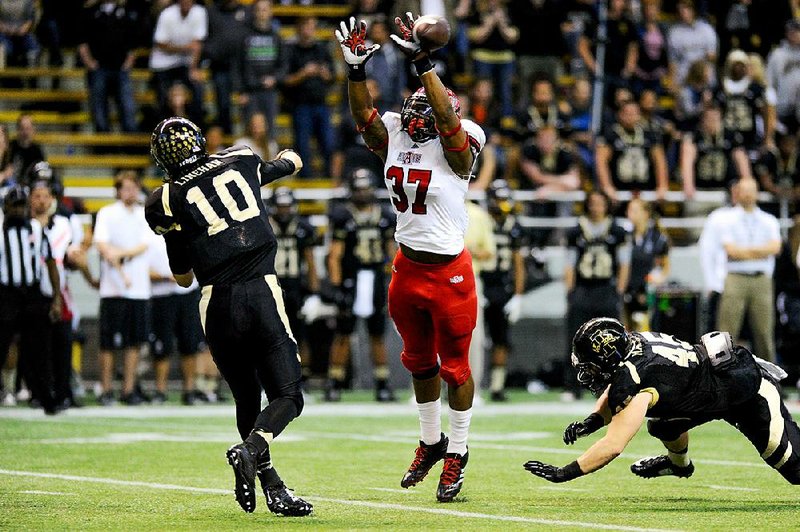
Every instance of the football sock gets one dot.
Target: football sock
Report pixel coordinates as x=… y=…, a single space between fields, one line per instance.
x=680 y=458
x=459 y=430
x=381 y=374
x=497 y=380
x=260 y=440
x=201 y=383
x=430 y=421
x=336 y=373
x=9 y=378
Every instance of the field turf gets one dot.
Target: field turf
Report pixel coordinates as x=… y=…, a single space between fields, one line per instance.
x=163 y=468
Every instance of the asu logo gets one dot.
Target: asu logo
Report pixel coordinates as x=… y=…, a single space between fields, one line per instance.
x=603 y=343
x=409 y=157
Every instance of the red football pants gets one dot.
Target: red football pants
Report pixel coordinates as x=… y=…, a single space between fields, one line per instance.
x=434 y=307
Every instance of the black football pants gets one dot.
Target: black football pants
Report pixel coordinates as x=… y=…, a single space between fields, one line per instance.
x=248 y=333
x=763 y=419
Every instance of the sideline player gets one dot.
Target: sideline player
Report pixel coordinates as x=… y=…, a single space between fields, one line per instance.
x=428 y=154
x=216 y=227
x=678 y=386
x=362 y=243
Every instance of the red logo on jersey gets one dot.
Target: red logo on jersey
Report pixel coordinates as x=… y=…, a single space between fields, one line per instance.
x=409 y=157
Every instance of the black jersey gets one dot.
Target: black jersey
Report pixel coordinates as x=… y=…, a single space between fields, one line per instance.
x=741 y=112
x=558 y=163
x=293 y=239
x=714 y=167
x=630 y=164
x=782 y=170
x=508 y=238
x=217 y=214
x=365 y=235
x=596 y=255
x=681 y=379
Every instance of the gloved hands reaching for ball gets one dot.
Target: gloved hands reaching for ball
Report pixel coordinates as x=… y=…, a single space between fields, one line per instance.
x=353 y=40
x=405 y=41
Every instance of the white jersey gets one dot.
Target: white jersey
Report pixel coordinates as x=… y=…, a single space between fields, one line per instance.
x=426 y=194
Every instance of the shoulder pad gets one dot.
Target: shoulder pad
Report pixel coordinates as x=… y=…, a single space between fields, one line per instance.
x=158 y=213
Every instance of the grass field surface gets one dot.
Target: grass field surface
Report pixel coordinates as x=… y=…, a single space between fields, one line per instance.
x=163 y=468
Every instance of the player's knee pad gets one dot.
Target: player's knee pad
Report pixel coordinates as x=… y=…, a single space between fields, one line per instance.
x=455 y=375
x=419 y=364
x=663 y=430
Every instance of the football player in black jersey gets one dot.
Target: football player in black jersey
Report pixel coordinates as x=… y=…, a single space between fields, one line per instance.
x=362 y=243
x=216 y=227
x=597 y=270
x=678 y=386
x=629 y=156
x=503 y=282
x=713 y=156
x=294 y=260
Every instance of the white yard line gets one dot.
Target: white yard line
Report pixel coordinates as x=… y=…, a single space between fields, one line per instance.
x=731 y=488
x=393 y=490
x=39 y=492
x=364 y=504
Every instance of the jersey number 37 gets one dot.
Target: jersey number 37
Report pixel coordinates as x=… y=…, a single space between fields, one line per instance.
x=422 y=178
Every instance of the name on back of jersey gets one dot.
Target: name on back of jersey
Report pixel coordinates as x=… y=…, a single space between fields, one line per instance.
x=210 y=165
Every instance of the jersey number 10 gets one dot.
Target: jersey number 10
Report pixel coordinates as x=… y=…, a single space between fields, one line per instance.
x=216 y=223
x=423 y=180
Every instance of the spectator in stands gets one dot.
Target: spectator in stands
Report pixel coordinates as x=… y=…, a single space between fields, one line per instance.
x=261 y=64
x=547 y=166
x=580 y=123
x=777 y=168
x=387 y=68
x=752 y=239
x=543 y=110
x=121 y=235
x=696 y=94
x=783 y=75
x=6 y=167
x=651 y=61
x=749 y=111
x=258 y=138
x=17 y=25
x=309 y=76
x=630 y=157
x=654 y=121
x=369 y=10
x=580 y=13
x=713 y=156
x=541 y=45
x=106 y=50
x=177 y=100
x=620 y=55
x=215 y=138
x=175 y=56
x=690 y=40
x=492 y=36
x=649 y=263
x=483 y=108
x=227 y=28
x=25 y=151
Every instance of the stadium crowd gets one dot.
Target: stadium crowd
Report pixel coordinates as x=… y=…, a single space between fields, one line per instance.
x=692 y=96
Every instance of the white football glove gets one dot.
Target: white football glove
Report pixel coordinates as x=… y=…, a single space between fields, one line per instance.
x=291 y=155
x=513 y=308
x=354 y=43
x=313 y=309
x=408 y=45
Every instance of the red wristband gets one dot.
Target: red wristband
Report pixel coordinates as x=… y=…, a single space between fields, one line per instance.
x=370 y=120
x=448 y=134
x=460 y=149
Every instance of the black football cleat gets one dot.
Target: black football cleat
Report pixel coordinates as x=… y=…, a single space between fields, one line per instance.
x=244 y=461
x=282 y=501
x=452 y=476
x=384 y=395
x=660 y=466
x=426 y=457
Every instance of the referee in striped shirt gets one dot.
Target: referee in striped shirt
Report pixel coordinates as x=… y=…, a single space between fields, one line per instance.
x=25 y=257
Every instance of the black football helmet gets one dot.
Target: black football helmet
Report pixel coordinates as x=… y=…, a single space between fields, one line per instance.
x=177 y=145
x=416 y=116
x=16 y=196
x=362 y=186
x=499 y=199
x=598 y=348
x=282 y=204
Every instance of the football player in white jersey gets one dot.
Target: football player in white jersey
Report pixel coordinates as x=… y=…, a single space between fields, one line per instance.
x=428 y=154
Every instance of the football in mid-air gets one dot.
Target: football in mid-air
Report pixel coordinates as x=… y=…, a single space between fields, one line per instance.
x=431 y=32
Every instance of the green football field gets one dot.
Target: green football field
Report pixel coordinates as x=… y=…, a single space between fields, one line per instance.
x=163 y=468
